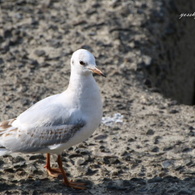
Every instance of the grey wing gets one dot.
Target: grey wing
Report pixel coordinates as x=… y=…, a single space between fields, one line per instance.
x=37 y=139
x=45 y=124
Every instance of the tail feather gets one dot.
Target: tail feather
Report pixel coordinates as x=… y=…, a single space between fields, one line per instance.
x=5 y=126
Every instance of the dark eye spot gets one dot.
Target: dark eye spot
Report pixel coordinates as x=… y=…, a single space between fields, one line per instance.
x=82 y=63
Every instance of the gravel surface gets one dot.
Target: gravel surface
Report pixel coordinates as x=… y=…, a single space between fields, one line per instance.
x=146 y=142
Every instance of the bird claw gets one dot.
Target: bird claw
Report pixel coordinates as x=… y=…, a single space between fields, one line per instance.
x=76 y=185
x=54 y=172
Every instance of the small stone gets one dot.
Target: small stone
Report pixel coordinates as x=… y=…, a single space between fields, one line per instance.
x=147 y=60
x=173 y=111
x=9 y=170
x=37 y=157
x=79 y=161
x=184 y=192
x=155 y=179
x=150 y=132
x=1 y=61
x=148 y=83
x=91 y=172
x=155 y=149
x=101 y=137
x=115 y=186
x=39 y=52
x=187 y=149
x=18 y=159
x=167 y=163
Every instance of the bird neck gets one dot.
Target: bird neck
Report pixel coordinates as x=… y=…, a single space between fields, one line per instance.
x=81 y=81
x=83 y=87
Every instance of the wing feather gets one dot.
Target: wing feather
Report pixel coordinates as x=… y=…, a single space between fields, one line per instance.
x=47 y=123
x=34 y=140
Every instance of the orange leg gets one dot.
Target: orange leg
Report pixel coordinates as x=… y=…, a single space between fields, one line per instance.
x=71 y=184
x=54 y=172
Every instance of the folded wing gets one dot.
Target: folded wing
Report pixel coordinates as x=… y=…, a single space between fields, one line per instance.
x=40 y=127
x=36 y=139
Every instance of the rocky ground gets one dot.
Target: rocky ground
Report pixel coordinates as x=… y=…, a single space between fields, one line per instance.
x=146 y=142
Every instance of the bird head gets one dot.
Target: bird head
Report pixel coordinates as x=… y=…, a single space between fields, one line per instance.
x=83 y=62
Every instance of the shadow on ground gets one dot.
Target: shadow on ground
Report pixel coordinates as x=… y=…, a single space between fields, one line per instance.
x=138 y=186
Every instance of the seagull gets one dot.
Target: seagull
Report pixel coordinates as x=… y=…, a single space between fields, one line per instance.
x=59 y=121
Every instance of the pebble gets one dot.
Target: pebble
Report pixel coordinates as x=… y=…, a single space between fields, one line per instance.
x=150 y=132
x=40 y=52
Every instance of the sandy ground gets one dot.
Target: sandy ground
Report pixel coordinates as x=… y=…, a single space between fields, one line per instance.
x=145 y=144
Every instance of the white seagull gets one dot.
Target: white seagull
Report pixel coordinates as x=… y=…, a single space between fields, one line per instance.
x=59 y=121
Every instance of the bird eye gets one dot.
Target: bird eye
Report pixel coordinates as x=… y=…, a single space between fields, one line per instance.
x=82 y=63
